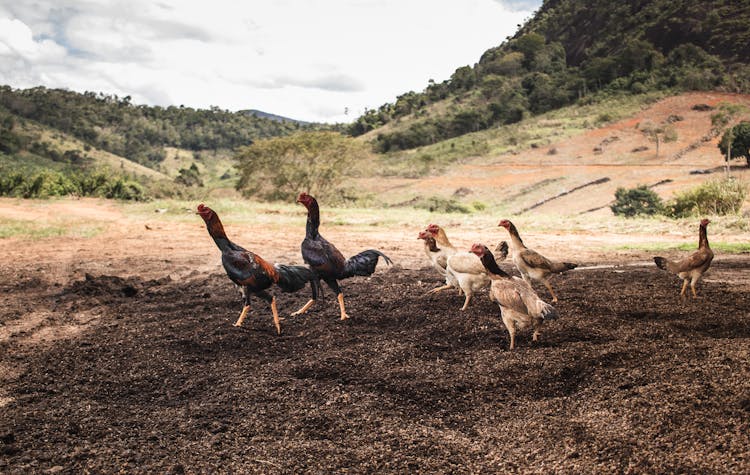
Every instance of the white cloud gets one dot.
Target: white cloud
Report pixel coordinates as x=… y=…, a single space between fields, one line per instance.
x=306 y=59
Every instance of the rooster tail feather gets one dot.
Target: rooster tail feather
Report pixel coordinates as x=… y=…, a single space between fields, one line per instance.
x=549 y=312
x=661 y=263
x=293 y=278
x=364 y=263
x=501 y=251
x=559 y=267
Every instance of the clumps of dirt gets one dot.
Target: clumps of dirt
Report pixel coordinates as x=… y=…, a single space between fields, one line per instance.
x=92 y=286
x=702 y=107
x=600 y=147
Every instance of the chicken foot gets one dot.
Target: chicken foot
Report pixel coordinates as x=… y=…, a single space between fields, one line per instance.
x=304 y=308
x=439 y=289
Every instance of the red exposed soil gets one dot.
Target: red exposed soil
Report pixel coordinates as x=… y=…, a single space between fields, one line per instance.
x=618 y=151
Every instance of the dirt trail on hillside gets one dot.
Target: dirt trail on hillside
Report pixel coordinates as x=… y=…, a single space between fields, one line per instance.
x=618 y=151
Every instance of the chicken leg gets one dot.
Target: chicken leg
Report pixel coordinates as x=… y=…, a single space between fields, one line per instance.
x=275 y=312
x=239 y=321
x=549 y=287
x=466 y=301
x=344 y=316
x=684 y=288
x=304 y=308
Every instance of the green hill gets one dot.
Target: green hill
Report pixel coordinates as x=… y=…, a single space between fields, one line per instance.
x=52 y=137
x=575 y=51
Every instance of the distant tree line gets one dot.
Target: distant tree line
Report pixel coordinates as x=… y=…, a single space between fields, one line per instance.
x=139 y=132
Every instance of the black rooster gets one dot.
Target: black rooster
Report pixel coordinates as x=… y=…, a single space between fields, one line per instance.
x=252 y=273
x=327 y=262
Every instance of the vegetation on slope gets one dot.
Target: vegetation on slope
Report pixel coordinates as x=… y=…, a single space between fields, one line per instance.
x=138 y=132
x=575 y=51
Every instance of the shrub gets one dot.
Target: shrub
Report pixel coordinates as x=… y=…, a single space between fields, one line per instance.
x=437 y=204
x=739 y=137
x=635 y=201
x=281 y=167
x=714 y=197
x=45 y=184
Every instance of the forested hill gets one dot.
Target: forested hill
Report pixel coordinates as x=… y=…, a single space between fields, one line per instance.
x=576 y=51
x=598 y=28
x=137 y=132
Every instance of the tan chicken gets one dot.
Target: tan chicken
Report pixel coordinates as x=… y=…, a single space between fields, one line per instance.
x=466 y=270
x=441 y=238
x=692 y=268
x=521 y=307
x=530 y=263
x=439 y=261
x=438 y=256
x=438 y=249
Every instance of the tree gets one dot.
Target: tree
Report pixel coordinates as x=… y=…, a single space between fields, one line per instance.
x=735 y=143
x=639 y=200
x=530 y=45
x=189 y=176
x=281 y=167
x=657 y=133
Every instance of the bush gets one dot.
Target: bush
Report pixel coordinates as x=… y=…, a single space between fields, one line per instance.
x=48 y=183
x=281 y=167
x=437 y=204
x=636 y=201
x=715 y=197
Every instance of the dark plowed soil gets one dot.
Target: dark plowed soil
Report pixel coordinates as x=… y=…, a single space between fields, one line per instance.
x=628 y=380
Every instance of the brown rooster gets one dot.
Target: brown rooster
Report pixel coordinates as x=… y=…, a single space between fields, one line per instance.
x=692 y=268
x=327 y=262
x=520 y=305
x=530 y=263
x=252 y=273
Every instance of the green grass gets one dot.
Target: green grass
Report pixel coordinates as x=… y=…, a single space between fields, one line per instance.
x=31 y=229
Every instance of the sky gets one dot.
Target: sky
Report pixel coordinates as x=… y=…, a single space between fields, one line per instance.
x=311 y=60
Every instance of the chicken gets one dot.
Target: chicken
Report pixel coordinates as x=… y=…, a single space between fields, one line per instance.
x=441 y=239
x=530 y=263
x=327 y=262
x=438 y=256
x=252 y=273
x=692 y=268
x=465 y=269
x=439 y=259
x=520 y=305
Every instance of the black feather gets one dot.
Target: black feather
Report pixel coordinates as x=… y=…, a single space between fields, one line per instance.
x=549 y=313
x=660 y=262
x=363 y=263
x=293 y=278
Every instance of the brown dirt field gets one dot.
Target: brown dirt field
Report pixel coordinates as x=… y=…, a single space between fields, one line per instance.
x=118 y=354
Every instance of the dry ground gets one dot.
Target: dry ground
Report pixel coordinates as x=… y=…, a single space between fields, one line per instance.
x=615 y=151
x=117 y=353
